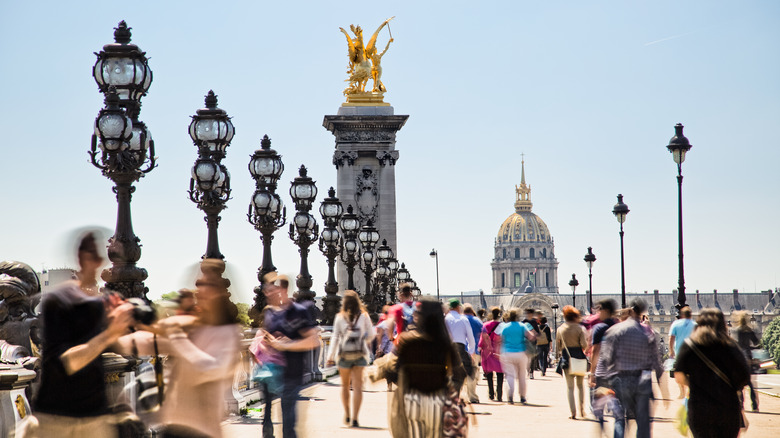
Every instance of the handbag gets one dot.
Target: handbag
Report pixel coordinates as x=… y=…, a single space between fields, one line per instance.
x=681 y=419
x=577 y=367
x=269 y=374
x=455 y=422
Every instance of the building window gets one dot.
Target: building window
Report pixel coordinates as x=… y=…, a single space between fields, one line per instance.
x=504 y=252
x=518 y=280
x=547 y=279
x=544 y=253
x=531 y=253
x=46 y=283
x=503 y=279
x=517 y=253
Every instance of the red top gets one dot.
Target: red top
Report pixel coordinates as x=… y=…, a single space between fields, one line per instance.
x=397 y=313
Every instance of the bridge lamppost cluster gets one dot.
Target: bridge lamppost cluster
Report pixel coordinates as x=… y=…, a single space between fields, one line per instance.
x=350 y=225
x=303 y=229
x=331 y=211
x=368 y=237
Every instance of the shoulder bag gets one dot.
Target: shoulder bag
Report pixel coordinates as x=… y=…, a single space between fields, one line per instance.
x=577 y=367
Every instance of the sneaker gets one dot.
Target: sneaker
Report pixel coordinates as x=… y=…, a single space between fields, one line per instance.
x=510 y=401
x=355 y=423
x=491 y=396
x=522 y=400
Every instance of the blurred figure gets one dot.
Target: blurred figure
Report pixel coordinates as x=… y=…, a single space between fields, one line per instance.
x=383 y=334
x=71 y=401
x=290 y=329
x=462 y=337
x=427 y=360
x=678 y=333
x=186 y=302
x=714 y=368
x=543 y=343
x=490 y=346
x=271 y=363
x=570 y=342
x=476 y=330
x=352 y=333
x=530 y=319
x=632 y=353
x=401 y=315
x=599 y=376
x=514 y=360
x=482 y=314
x=605 y=403
x=747 y=341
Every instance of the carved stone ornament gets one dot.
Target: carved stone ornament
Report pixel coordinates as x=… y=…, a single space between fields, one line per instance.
x=367 y=196
x=386 y=157
x=340 y=157
x=365 y=136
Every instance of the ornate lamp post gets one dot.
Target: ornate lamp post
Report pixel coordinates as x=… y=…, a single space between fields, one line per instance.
x=368 y=237
x=126 y=151
x=621 y=211
x=303 y=230
x=573 y=283
x=384 y=254
x=679 y=146
x=435 y=254
x=402 y=275
x=211 y=131
x=330 y=246
x=589 y=259
x=555 y=324
x=350 y=224
x=266 y=211
x=393 y=281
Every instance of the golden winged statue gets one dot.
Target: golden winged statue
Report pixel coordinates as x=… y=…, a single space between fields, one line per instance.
x=364 y=61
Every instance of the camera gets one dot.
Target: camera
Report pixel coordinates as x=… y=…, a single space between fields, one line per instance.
x=143 y=312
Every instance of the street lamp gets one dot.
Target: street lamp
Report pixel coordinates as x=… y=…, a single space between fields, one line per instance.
x=350 y=224
x=573 y=283
x=368 y=237
x=211 y=131
x=384 y=254
x=402 y=275
x=555 y=324
x=267 y=212
x=589 y=259
x=330 y=246
x=621 y=211
x=303 y=229
x=126 y=151
x=679 y=146
x=435 y=254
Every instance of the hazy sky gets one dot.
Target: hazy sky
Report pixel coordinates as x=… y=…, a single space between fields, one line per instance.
x=589 y=91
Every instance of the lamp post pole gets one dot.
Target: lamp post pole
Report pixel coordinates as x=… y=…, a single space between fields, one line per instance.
x=211 y=131
x=304 y=230
x=330 y=246
x=573 y=283
x=368 y=237
x=350 y=224
x=126 y=151
x=589 y=259
x=435 y=254
x=679 y=146
x=621 y=211
x=555 y=325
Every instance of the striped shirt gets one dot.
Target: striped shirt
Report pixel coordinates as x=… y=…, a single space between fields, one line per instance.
x=627 y=347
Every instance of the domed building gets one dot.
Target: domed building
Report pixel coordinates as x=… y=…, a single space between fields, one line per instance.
x=524 y=260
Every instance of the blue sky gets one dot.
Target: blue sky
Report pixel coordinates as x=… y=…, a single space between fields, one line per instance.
x=589 y=91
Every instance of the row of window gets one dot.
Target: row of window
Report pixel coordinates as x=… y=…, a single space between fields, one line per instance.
x=531 y=253
x=519 y=279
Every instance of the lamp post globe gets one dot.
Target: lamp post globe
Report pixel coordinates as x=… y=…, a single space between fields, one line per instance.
x=384 y=255
x=211 y=129
x=679 y=146
x=303 y=230
x=620 y=210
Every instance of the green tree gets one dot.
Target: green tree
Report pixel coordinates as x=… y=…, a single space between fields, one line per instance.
x=170 y=296
x=243 y=314
x=771 y=339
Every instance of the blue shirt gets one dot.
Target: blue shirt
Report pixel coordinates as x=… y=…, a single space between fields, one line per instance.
x=460 y=330
x=681 y=329
x=512 y=336
x=476 y=328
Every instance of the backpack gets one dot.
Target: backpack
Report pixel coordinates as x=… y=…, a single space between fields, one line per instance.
x=408 y=315
x=351 y=347
x=541 y=339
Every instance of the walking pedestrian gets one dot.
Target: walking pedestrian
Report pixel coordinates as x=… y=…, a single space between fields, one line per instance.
x=352 y=333
x=543 y=343
x=571 y=343
x=401 y=315
x=632 y=353
x=530 y=319
x=678 y=333
x=747 y=341
x=476 y=329
x=490 y=347
x=427 y=361
x=462 y=336
x=514 y=360
x=599 y=376
x=711 y=364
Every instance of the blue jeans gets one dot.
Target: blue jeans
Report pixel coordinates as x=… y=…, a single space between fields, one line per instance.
x=292 y=385
x=634 y=392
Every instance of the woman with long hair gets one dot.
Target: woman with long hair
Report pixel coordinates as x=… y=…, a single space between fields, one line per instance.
x=514 y=360
x=712 y=365
x=747 y=340
x=570 y=342
x=490 y=346
x=352 y=333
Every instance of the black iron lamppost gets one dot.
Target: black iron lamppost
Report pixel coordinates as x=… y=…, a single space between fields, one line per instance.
x=330 y=246
x=573 y=283
x=304 y=230
x=266 y=213
x=122 y=148
x=589 y=259
x=211 y=130
x=555 y=324
x=350 y=225
x=393 y=282
x=435 y=254
x=402 y=276
x=384 y=254
x=368 y=237
x=679 y=146
x=621 y=211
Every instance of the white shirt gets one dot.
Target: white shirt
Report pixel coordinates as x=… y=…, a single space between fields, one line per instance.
x=460 y=330
x=340 y=327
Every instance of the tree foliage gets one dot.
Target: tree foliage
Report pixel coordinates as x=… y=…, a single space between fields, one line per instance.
x=243 y=314
x=771 y=339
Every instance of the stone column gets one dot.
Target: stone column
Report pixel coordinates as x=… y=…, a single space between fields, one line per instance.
x=365 y=158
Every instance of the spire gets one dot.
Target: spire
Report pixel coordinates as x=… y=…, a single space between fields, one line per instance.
x=523 y=191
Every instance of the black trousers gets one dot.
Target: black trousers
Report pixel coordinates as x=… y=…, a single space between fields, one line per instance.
x=499 y=384
x=543 y=354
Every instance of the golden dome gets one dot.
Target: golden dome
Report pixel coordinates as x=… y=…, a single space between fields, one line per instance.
x=523 y=227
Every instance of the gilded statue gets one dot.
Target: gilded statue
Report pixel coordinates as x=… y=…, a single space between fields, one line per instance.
x=365 y=60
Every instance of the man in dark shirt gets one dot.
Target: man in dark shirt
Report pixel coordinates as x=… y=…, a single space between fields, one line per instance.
x=599 y=377
x=530 y=319
x=291 y=330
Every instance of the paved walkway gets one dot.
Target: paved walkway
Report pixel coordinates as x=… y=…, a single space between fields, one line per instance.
x=321 y=414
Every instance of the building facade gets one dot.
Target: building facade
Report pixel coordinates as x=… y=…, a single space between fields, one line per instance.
x=524 y=258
